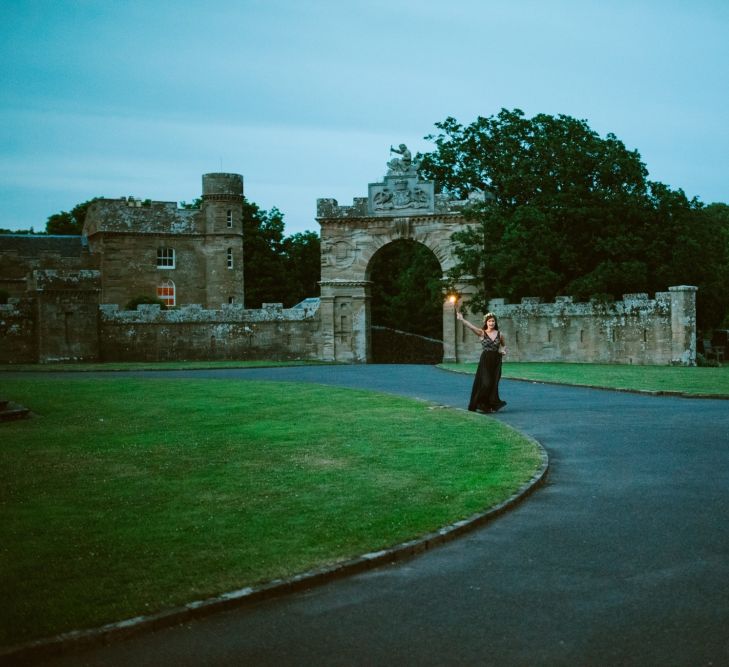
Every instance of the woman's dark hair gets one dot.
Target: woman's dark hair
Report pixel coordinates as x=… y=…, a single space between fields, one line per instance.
x=488 y=316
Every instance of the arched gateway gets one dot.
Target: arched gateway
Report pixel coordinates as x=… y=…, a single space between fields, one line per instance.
x=402 y=207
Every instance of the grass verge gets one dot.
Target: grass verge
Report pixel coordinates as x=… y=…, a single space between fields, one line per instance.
x=682 y=379
x=152 y=365
x=126 y=496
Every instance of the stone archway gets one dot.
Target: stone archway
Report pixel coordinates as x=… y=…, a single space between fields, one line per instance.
x=402 y=207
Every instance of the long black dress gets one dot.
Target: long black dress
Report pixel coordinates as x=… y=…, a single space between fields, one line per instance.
x=485 y=392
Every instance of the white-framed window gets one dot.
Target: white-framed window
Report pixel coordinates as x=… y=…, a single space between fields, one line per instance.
x=230 y=258
x=166 y=292
x=229 y=217
x=165 y=258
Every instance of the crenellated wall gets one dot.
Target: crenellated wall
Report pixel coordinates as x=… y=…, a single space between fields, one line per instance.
x=60 y=319
x=636 y=330
x=192 y=332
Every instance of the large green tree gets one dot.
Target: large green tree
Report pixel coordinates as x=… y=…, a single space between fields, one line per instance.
x=565 y=211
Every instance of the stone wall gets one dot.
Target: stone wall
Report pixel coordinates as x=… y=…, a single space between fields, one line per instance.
x=192 y=332
x=60 y=319
x=21 y=254
x=636 y=330
x=67 y=312
x=57 y=320
x=17 y=332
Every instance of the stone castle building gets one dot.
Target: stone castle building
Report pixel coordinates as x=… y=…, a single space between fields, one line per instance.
x=182 y=256
x=146 y=248
x=68 y=294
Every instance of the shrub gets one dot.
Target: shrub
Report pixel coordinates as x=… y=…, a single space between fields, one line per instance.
x=137 y=300
x=701 y=360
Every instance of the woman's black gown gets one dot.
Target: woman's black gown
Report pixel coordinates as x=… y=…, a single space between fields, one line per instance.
x=485 y=392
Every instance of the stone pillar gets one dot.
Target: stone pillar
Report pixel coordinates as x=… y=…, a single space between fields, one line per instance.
x=454 y=348
x=683 y=325
x=345 y=320
x=450 y=339
x=361 y=320
x=326 y=313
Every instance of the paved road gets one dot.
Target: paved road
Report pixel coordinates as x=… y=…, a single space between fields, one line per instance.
x=621 y=559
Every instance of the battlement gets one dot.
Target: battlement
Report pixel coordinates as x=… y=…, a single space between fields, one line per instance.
x=632 y=304
x=222 y=186
x=636 y=329
x=129 y=215
x=361 y=208
x=195 y=313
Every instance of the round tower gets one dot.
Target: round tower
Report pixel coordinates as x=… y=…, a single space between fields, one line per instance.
x=222 y=196
x=222 y=214
x=222 y=186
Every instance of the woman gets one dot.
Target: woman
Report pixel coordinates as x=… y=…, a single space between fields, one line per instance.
x=485 y=392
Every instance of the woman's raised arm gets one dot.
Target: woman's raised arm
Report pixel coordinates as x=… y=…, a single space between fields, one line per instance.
x=475 y=329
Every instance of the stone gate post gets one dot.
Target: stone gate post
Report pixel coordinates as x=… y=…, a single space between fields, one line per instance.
x=450 y=342
x=345 y=325
x=683 y=325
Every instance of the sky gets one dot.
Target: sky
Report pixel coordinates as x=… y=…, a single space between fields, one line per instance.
x=305 y=98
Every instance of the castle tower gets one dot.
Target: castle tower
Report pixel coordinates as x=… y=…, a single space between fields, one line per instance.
x=222 y=217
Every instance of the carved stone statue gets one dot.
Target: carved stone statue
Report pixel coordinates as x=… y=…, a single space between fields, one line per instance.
x=401 y=192
x=401 y=165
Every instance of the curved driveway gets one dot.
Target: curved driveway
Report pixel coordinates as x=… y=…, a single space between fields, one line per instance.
x=622 y=558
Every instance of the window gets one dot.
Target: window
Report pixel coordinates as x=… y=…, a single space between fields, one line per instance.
x=166 y=292
x=165 y=258
x=231 y=299
x=229 y=217
x=230 y=258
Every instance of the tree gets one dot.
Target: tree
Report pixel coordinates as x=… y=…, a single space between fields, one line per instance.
x=697 y=239
x=302 y=266
x=72 y=223
x=564 y=211
x=18 y=231
x=277 y=269
x=263 y=266
x=194 y=204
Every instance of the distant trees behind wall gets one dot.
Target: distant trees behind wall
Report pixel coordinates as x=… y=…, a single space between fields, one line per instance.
x=277 y=268
x=566 y=212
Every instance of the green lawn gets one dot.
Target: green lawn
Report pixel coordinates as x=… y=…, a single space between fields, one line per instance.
x=151 y=365
x=689 y=380
x=127 y=496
